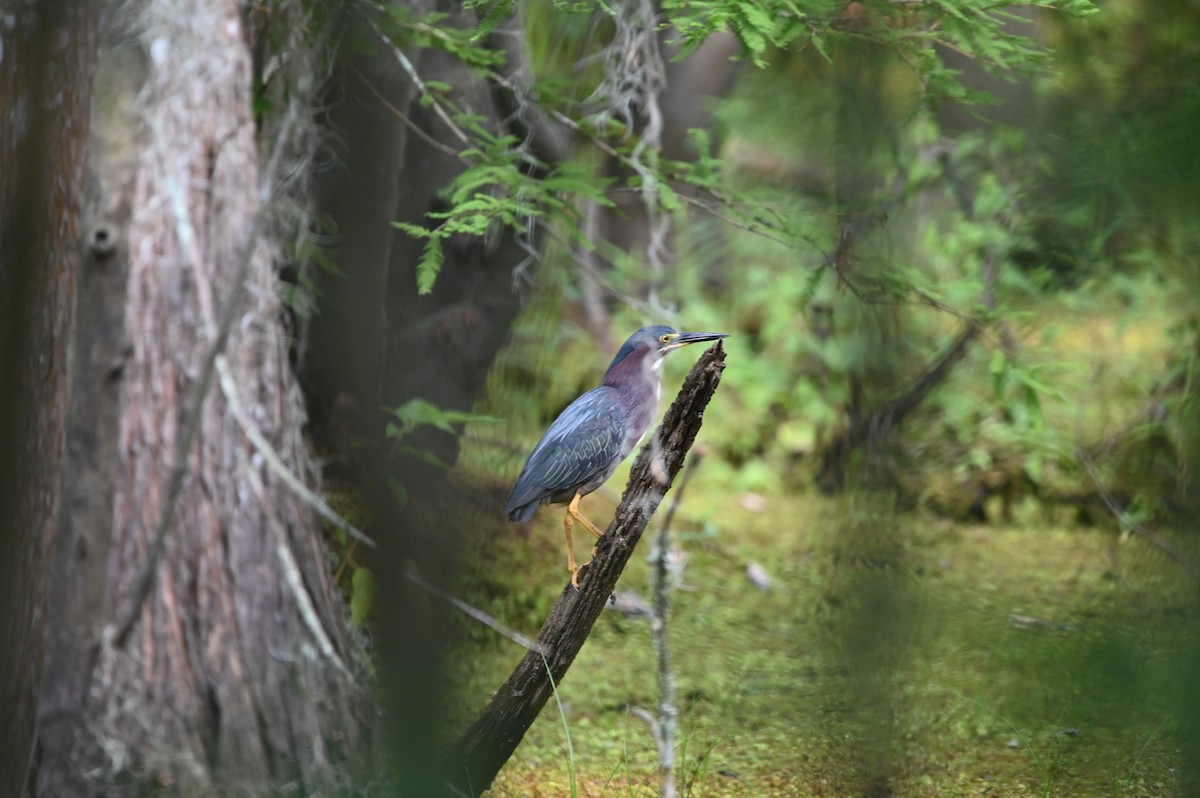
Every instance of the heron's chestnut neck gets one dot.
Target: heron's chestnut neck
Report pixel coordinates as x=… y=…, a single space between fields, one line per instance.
x=637 y=370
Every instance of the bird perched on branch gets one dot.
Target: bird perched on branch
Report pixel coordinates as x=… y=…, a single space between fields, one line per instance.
x=586 y=443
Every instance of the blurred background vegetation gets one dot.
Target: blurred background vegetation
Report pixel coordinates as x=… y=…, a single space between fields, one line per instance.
x=943 y=538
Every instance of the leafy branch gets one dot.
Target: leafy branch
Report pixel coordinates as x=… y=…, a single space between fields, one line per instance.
x=504 y=186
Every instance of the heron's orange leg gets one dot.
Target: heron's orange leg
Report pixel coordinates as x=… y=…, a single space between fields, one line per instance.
x=568 y=522
x=571 y=566
x=573 y=509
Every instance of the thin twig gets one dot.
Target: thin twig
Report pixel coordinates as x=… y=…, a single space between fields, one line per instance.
x=611 y=151
x=263 y=447
x=411 y=125
x=720 y=202
x=309 y=497
x=411 y=71
x=521 y=112
x=693 y=464
x=1128 y=523
x=291 y=570
x=476 y=613
x=312 y=499
x=711 y=208
x=667 y=724
x=631 y=301
x=655 y=726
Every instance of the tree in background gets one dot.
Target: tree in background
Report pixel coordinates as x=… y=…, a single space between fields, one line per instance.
x=46 y=68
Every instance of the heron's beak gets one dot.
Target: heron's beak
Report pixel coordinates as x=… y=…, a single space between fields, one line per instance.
x=683 y=339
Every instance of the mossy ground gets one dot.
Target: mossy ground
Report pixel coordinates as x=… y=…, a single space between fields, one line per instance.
x=898 y=655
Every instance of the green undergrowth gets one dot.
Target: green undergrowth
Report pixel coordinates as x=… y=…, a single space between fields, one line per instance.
x=895 y=655
x=898 y=652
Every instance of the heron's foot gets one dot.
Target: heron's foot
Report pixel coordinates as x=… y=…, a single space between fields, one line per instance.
x=575 y=574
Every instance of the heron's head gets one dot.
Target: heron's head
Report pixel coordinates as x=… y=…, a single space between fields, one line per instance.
x=649 y=345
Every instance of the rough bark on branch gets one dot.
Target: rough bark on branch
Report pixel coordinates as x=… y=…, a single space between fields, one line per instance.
x=489 y=742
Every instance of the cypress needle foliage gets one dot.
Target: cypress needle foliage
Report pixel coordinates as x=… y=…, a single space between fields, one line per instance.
x=508 y=185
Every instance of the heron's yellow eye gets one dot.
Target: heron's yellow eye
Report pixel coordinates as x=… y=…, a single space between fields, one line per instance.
x=665 y=339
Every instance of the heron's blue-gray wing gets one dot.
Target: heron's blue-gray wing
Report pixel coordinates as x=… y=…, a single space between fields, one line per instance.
x=580 y=446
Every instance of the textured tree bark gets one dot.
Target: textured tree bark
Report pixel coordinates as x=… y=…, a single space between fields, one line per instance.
x=491 y=739
x=75 y=617
x=239 y=672
x=46 y=64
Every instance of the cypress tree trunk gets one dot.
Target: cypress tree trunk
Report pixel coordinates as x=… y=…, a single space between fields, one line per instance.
x=201 y=645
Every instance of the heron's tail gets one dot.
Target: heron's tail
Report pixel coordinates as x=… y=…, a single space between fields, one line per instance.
x=520 y=513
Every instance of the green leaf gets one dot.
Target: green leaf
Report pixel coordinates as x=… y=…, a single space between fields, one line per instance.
x=421 y=412
x=998 y=368
x=754 y=43
x=362 y=595
x=414 y=230
x=399 y=492
x=757 y=17
x=1033 y=406
x=818 y=43
x=668 y=198
x=1033 y=467
x=429 y=266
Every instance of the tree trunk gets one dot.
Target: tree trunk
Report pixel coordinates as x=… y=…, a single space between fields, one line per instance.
x=201 y=645
x=45 y=86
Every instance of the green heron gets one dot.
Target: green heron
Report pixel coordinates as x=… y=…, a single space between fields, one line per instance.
x=584 y=445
